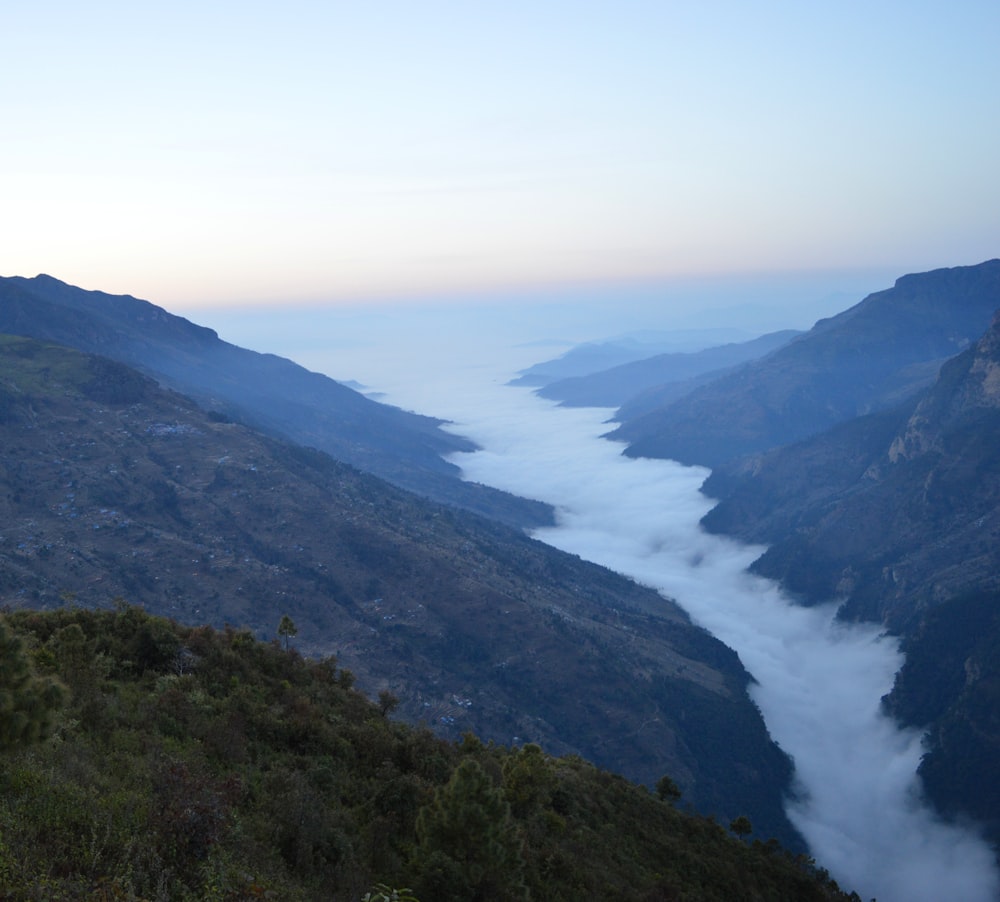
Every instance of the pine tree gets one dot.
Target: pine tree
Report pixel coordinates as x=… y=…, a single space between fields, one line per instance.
x=27 y=701
x=287 y=628
x=468 y=847
x=741 y=826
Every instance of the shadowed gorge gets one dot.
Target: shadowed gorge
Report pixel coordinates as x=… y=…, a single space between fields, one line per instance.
x=117 y=491
x=898 y=515
x=558 y=458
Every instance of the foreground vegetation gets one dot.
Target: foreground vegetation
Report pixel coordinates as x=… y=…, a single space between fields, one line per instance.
x=155 y=761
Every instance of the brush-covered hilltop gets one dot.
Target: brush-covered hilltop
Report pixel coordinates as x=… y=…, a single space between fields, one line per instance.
x=171 y=762
x=112 y=487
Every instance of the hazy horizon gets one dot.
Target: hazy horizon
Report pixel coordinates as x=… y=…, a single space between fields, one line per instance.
x=337 y=182
x=562 y=318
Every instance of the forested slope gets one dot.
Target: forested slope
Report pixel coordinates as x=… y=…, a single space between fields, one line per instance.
x=190 y=764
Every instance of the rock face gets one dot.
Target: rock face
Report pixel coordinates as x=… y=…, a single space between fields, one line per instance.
x=898 y=514
x=266 y=391
x=891 y=511
x=111 y=487
x=866 y=359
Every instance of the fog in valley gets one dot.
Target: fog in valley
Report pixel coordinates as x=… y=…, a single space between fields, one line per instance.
x=818 y=682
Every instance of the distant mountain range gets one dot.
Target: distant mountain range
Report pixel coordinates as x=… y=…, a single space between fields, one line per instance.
x=645 y=384
x=113 y=488
x=868 y=358
x=268 y=392
x=598 y=356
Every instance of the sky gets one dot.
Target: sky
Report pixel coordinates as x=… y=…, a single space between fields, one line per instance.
x=243 y=154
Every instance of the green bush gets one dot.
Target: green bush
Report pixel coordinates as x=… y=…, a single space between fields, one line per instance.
x=192 y=764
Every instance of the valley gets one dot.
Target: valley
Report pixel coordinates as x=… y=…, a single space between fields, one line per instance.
x=114 y=490
x=817 y=681
x=875 y=516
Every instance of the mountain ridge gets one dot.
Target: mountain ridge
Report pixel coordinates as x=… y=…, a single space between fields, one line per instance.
x=869 y=357
x=596 y=356
x=639 y=381
x=265 y=390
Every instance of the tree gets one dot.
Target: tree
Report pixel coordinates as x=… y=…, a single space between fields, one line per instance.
x=667 y=790
x=741 y=826
x=467 y=844
x=527 y=779
x=287 y=628
x=387 y=702
x=27 y=701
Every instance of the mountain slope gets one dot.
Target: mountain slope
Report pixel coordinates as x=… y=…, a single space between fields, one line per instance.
x=898 y=514
x=867 y=358
x=618 y=385
x=195 y=764
x=891 y=510
x=111 y=487
x=266 y=391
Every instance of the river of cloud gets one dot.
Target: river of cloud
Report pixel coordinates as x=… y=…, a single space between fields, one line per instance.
x=819 y=682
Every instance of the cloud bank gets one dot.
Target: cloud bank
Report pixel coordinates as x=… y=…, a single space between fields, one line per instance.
x=819 y=682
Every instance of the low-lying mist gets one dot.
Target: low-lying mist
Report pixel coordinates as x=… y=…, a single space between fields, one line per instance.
x=819 y=682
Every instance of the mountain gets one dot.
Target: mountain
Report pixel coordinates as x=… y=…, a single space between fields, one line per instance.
x=263 y=390
x=867 y=358
x=618 y=385
x=898 y=515
x=188 y=763
x=114 y=488
x=595 y=356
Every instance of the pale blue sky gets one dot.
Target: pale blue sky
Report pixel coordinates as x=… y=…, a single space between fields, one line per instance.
x=208 y=153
